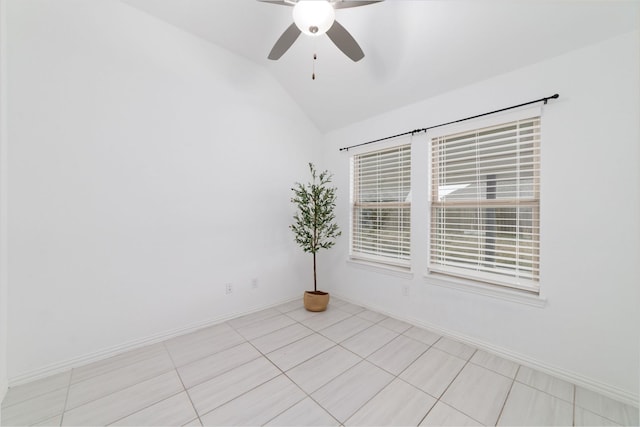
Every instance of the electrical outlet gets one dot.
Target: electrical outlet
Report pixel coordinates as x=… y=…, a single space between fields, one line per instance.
x=254 y=283
x=228 y=288
x=405 y=290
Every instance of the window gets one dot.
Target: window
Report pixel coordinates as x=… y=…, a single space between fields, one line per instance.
x=381 y=206
x=485 y=204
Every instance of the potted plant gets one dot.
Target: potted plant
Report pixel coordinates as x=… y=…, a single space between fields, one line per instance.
x=314 y=227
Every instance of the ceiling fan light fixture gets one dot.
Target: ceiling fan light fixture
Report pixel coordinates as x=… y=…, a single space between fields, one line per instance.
x=313 y=17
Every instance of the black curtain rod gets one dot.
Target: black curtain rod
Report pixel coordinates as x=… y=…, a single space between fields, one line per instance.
x=413 y=132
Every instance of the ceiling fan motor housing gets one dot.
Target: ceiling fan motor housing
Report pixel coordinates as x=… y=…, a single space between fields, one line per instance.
x=313 y=17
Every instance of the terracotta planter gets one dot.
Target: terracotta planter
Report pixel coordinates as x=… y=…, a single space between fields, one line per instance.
x=316 y=300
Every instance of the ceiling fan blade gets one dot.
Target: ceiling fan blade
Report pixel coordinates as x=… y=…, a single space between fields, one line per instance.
x=278 y=2
x=337 y=4
x=345 y=42
x=344 y=4
x=285 y=41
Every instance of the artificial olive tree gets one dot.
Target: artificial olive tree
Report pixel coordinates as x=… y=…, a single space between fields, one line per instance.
x=314 y=227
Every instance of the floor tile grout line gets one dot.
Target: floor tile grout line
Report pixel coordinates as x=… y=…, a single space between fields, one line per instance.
x=360 y=359
x=429 y=344
x=328 y=326
x=237 y=330
x=44 y=418
x=265 y=355
x=235 y=398
x=395 y=377
x=391 y=373
x=513 y=381
x=116 y=391
x=194 y=337
x=452 y=381
x=128 y=365
x=71 y=383
x=220 y=373
x=467 y=361
x=66 y=399
x=429 y=411
x=574 y=405
x=259 y=385
x=297 y=321
x=35 y=396
x=156 y=375
x=365 y=359
x=147 y=407
x=407 y=367
x=426 y=343
x=293 y=342
x=313 y=331
x=575 y=388
x=309 y=395
x=182 y=382
x=142 y=350
x=368 y=355
x=475 y=350
x=350 y=336
x=337 y=344
x=283 y=346
x=539 y=390
x=253 y=321
x=371 y=398
x=460 y=410
x=507 y=376
x=212 y=354
x=401 y=334
x=305 y=360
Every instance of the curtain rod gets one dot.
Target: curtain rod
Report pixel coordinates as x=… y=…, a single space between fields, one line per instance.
x=413 y=132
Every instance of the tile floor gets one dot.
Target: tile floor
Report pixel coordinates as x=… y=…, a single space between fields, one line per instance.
x=286 y=366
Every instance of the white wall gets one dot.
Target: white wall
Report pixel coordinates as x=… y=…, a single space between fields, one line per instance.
x=138 y=153
x=147 y=168
x=590 y=205
x=3 y=209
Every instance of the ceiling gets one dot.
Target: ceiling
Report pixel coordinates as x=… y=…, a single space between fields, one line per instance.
x=414 y=49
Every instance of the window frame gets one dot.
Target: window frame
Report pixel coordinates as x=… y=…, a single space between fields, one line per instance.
x=398 y=264
x=468 y=278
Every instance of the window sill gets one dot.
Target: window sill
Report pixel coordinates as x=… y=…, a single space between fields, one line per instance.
x=392 y=270
x=511 y=295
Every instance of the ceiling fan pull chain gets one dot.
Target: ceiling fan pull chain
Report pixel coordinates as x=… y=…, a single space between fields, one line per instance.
x=313 y=75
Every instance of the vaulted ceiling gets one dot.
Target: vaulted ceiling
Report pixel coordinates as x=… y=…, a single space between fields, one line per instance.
x=414 y=49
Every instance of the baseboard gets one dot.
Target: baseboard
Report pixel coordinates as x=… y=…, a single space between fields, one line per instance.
x=76 y=362
x=521 y=359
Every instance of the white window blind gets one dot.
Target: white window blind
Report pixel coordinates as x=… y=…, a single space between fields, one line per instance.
x=381 y=206
x=485 y=204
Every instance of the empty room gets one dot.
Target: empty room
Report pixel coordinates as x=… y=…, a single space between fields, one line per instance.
x=319 y=212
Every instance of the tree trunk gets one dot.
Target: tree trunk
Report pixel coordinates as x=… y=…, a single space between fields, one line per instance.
x=315 y=289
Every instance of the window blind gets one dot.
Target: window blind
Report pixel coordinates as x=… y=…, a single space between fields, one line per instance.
x=485 y=204
x=381 y=206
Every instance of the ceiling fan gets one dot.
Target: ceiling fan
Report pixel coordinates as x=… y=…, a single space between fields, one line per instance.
x=314 y=18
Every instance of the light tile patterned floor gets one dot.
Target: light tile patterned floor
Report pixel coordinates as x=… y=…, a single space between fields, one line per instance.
x=286 y=366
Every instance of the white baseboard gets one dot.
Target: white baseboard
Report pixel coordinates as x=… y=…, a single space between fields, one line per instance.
x=76 y=362
x=564 y=374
